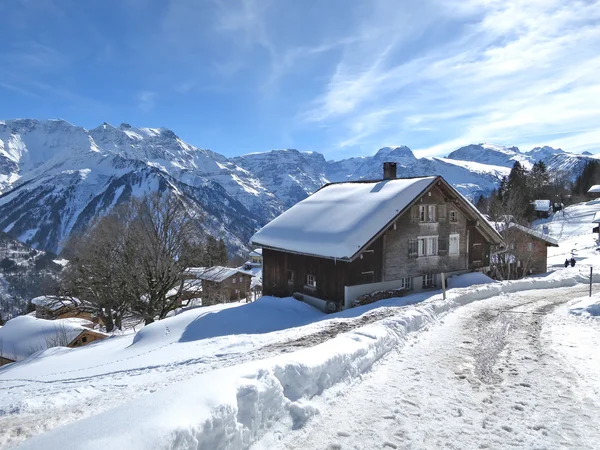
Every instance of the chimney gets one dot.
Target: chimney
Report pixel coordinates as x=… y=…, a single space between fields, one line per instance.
x=389 y=170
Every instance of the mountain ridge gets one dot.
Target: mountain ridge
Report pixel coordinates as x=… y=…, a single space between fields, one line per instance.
x=55 y=177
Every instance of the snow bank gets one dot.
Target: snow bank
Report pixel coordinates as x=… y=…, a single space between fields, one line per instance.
x=469 y=279
x=586 y=306
x=265 y=315
x=233 y=407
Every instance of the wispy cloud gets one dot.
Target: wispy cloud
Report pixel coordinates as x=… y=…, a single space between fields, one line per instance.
x=488 y=71
x=146 y=101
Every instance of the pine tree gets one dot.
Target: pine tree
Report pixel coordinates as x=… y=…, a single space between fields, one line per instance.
x=222 y=253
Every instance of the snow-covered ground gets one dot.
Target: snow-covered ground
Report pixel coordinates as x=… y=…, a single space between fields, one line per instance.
x=496 y=364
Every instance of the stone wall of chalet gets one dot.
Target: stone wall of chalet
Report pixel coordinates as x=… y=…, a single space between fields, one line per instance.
x=398 y=263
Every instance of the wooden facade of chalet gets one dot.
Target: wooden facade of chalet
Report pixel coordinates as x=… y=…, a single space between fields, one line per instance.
x=438 y=231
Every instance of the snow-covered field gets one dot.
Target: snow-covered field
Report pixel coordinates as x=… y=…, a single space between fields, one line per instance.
x=494 y=364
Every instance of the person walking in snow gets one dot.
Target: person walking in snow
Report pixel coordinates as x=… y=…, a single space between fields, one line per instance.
x=567 y=262
x=572 y=262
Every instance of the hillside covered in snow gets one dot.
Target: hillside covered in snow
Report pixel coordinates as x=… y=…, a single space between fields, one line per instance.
x=56 y=177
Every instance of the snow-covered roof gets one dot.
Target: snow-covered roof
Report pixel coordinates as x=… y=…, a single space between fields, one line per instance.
x=54 y=303
x=596 y=218
x=340 y=218
x=216 y=273
x=501 y=226
x=256 y=252
x=542 y=205
x=24 y=335
x=594 y=188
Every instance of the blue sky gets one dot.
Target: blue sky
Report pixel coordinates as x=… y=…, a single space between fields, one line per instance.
x=343 y=77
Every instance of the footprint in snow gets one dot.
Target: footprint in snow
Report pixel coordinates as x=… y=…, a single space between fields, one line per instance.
x=343 y=434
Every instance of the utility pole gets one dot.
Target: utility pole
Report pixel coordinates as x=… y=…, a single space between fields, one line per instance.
x=591 y=273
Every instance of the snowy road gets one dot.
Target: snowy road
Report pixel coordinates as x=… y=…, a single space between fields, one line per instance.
x=512 y=371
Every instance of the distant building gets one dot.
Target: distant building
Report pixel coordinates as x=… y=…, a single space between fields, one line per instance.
x=256 y=256
x=524 y=251
x=594 y=191
x=543 y=208
x=53 y=307
x=222 y=284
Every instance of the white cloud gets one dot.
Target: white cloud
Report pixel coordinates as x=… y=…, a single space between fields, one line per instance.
x=146 y=101
x=488 y=71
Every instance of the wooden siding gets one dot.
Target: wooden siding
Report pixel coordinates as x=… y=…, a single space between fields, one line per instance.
x=331 y=276
x=479 y=249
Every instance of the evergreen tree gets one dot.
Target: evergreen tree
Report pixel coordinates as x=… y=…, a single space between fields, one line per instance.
x=589 y=176
x=222 y=257
x=539 y=180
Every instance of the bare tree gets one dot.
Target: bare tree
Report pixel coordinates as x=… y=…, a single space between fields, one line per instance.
x=163 y=228
x=97 y=272
x=135 y=260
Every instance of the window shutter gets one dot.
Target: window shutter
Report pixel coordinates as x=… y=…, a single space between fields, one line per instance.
x=421 y=250
x=441 y=212
x=414 y=214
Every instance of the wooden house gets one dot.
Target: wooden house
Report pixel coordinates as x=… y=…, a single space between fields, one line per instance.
x=24 y=335
x=222 y=284
x=524 y=251
x=353 y=238
x=56 y=307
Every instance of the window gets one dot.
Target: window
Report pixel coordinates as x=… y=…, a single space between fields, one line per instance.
x=290 y=277
x=241 y=279
x=530 y=246
x=427 y=246
x=233 y=281
x=368 y=277
x=84 y=339
x=311 y=281
x=453 y=248
x=431 y=213
x=453 y=216
x=428 y=280
x=427 y=213
x=405 y=283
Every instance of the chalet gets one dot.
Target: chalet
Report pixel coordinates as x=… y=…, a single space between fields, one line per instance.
x=543 y=208
x=55 y=307
x=353 y=238
x=222 y=284
x=523 y=252
x=24 y=335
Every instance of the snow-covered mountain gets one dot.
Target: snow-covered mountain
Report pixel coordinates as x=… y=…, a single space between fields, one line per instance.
x=556 y=159
x=289 y=174
x=56 y=177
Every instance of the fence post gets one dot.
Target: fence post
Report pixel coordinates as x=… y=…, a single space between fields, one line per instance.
x=591 y=272
x=443 y=286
